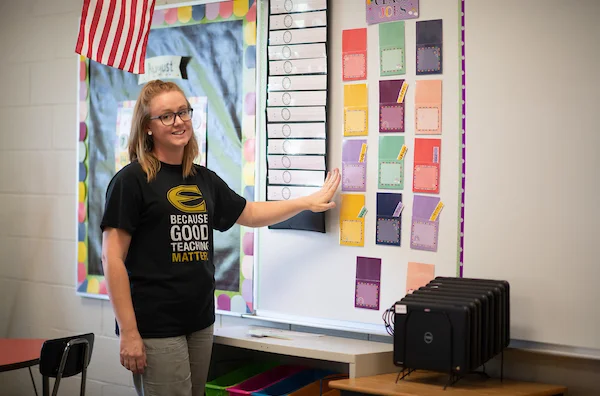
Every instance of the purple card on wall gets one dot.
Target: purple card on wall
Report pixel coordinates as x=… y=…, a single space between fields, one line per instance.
x=354 y=171
x=368 y=276
x=423 y=231
x=380 y=12
x=389 y=207
x=429 y=47
x=391 y=113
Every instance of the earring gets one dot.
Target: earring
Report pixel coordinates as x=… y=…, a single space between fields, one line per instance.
x=150 y=133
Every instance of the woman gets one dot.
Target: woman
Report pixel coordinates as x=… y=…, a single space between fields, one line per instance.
x=157 y=244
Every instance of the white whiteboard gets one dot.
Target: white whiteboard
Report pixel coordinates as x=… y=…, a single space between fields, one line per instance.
x=533 y=92
x=308 y=278
x=533 y=99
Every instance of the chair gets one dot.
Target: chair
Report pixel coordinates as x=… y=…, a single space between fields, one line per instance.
x=65 y=357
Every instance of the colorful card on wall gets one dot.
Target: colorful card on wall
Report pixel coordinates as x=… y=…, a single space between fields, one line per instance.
x=354 y=165
x=392 y=59
x=423 y=230
x=391 y=105
x=354 y=54
x=429 y=47
x=356 y=110
x=391 y=162
x=418 y=275
x=379 y=11
x=426 y=169
x=428 y=107
x=389 y=214
x=124 y=119
x=352 y=220
x=368 y=283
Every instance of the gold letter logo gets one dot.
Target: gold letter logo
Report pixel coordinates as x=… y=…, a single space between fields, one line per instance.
x=188 y=199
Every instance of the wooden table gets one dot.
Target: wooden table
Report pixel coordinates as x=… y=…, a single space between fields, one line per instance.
x=432 y=384
x=18 y=353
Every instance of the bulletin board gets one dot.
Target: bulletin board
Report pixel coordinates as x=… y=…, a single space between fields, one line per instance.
x=209 y=50
x=393 y=128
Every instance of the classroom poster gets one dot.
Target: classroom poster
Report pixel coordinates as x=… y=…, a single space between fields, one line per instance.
x=379 y=11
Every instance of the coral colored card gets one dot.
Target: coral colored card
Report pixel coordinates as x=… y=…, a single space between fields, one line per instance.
x=354 y=54
x=426 y=169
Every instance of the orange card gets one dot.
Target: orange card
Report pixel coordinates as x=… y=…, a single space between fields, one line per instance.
x=418 y=275
x=428 y=107
x=354 y=54
x=426 y=168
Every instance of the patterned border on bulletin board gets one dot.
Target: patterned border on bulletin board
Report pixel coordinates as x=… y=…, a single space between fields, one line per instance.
x=463 y=145
x=244 y=10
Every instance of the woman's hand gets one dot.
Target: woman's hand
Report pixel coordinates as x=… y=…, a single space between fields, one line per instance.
x=321 y=200
x=133 y=352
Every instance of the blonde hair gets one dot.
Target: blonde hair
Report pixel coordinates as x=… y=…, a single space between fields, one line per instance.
x=141 y=144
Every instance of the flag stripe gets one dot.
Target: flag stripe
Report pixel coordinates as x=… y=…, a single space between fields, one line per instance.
x=87 y=26
x=135 y=61
x=118 y=44
x=129 y=34
x=145 y=43
x=93 y=28
x=115 y=32
x=112 y=35
x=103 y=21
x=81 y=37
x=106 y=32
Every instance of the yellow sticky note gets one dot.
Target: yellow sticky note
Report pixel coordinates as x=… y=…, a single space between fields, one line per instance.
x=402 y=153
x=437 y=211
x=402 y=92
x=363 y=153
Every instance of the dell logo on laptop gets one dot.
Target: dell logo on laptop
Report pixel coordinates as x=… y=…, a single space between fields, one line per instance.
x=428 y=338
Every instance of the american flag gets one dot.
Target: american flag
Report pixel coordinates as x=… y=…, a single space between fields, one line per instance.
x=115 y=32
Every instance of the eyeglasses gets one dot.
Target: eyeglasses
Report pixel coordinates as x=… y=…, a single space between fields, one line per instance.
x=168 y=119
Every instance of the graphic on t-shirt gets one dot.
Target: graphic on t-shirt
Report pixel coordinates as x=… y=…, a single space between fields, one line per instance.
x=189 y=231
x=187 y=199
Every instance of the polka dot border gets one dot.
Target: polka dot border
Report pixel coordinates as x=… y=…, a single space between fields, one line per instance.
x=463 y=151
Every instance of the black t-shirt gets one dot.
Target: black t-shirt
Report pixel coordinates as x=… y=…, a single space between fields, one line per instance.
x=170 y=258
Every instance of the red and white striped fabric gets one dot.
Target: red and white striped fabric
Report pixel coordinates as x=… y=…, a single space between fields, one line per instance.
x=115 y=32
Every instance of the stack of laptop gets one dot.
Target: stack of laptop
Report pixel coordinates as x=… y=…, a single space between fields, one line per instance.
x=452 y=325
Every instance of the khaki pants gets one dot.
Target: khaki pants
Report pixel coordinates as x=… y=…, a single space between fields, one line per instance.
x=177 y=366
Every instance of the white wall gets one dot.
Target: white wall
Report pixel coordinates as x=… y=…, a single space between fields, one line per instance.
x=38 y=200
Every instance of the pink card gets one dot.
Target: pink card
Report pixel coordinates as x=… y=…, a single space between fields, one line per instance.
x=418 y=275
x=428 y=107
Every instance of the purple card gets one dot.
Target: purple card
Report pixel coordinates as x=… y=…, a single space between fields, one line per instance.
x=377 y=12
x=367 y=290
x=424 y=232
x=368 y=269
x=391 y=113
x=388 y=220
x=354 y=172
x=423 y=206
x=389 y=90
x=367 y=295
x=429 y=47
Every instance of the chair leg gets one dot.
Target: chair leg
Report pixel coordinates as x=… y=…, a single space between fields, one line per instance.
x=45 y=386
x=83 y=375
x=32 y=381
